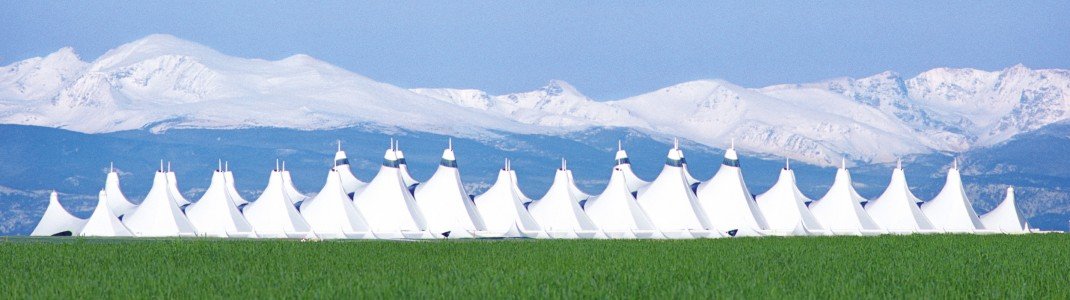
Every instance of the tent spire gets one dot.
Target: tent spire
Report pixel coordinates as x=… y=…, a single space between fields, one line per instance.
x=899 y=163
x=450 y=141
x=111 y=167
x=955 y=163
x=843 y=163
x=219 y=165
x=226 y=166
x=277 y=165
x=339 y=145
x=161 y=165
x=733 y=145
x=507 y=164
x=563 y=164
x=619 y=146
x=284 y=165
x=787 y=163
x=675 y=143
x=392 y=148
x=168 y=167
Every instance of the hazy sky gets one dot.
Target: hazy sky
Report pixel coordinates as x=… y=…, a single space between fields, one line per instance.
x=606 y=49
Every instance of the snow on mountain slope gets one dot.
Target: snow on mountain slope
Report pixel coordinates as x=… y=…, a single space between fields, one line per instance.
x=558 y=104
x=161 y=82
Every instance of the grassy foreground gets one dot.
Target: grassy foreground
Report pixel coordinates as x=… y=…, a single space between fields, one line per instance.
x=944 y=266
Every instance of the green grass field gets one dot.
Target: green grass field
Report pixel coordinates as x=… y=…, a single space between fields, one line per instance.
x=939 y=266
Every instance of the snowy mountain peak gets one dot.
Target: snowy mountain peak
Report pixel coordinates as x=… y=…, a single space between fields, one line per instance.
x=151 y=46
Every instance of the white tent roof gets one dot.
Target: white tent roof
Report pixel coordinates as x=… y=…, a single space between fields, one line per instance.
x=515 y=183
x=273 y=214
x=501 y=207
x=615 y=210
x=404 y=166
x=350 y=183
x=103 y=222
x=633 y=182
x=950 y=210
x=559 y=208
x=669 y=202
x=57 y=219
x=231 y=188
x=158 y=214
x=784 y=206
x=387 y=203
x=215 y=214
x=897 y=209
x=288 y=186
x=444 y=201
x=172 y=188
x=840 y=209
x=1006 y=217
x=727 y=201
x=331 y=213
x=117 y=202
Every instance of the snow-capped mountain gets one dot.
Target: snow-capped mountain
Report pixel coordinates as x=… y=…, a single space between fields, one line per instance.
x=162 y=82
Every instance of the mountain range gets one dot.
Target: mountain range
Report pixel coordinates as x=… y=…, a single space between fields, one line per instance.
x=161 y=82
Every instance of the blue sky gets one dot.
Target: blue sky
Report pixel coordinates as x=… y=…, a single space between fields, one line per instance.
x=608 y=50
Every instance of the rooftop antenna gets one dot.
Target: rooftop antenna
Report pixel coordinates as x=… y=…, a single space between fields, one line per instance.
x=451 y=143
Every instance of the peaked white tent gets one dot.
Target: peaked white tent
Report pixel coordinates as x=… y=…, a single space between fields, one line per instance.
x=117 y=202
x=158 y=214
x=386 y=201
x=331 y=214
x=691 y=181
x=291 y=191
x=951 y=210
x=559 y=210
x=514 y=182
x=840 y=210
x=444 y=201
x=503 y=208
x=350 y=183
x=172 y=188
x=784 y=206
x=727 y=201
x=273 y=214
x=231 y=188
x=57 y=220
x=615 y=211
x=103 y=222
x=1006 y=217
x=669 y=202
x=404 y=167
x=633 y=182
x=215 y=214
x=896 y=209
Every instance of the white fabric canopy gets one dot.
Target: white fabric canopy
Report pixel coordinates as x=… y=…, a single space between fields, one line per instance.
x=57 y=220
x=633 y=182
x=117 y=201
x=727 y=201
x=840 y=210
x=158 y=214
x=951 y=210
x=502 y=208
x=103 y=222
x=669 y=202
x=350 y=184
x=273 y=214
x=386 y=202
x=331 y=214
x=560 y=208
x=897 y=209
x=444 y=201
x=784 y=206
x=615 y=211
x=215 y=214
x=1006 y=217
